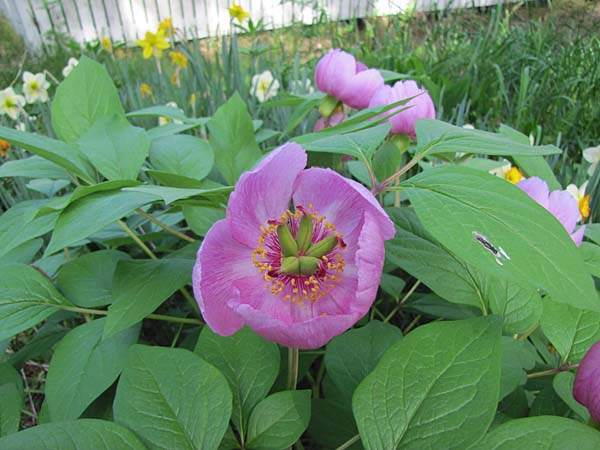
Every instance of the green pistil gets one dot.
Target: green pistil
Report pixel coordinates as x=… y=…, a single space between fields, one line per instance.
x=301 y=265
x=305 y=231
x=289 y=247
x=328 y=105
x=321 y=248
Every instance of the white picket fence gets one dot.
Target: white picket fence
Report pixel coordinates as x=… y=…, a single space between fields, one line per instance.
x=128 y=20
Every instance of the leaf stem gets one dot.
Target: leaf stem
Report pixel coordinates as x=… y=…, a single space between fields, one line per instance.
x=164 y=226
x=401 y=302
x=349 y=442
x=543 y=373
x=292 y=368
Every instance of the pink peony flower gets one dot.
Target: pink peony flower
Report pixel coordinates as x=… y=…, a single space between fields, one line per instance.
x=331 y=121
x=298 y=257
x=561 y=204
x=420 y=107
x=340 y=75
x=586 y=388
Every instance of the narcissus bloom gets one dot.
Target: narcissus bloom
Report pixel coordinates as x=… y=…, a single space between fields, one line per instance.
x=166 y=26
x=298 y=257
x=592 y=155
x=178 y=59
x=35 y=87
x=340 y=75
x=11 y=103
x=107 y=44
x=264 y=86
x=153 y=44
x=583 y=199
x=70 y=66
x=586 y=388
x=237 y=12
x=420 y=107
x=561 y=205
x=510 y=173
x=145 y=90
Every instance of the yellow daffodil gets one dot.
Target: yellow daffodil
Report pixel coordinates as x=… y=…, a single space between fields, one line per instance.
x=508 y=172
x=120 y=53
x=153 y=44
x=178 y=59
x=166 y=26
x=107 y=44
x=35 y=87
x=4 y=148
x=583 y=200
x=145 y=90
x=11 y=103
x=237 y=12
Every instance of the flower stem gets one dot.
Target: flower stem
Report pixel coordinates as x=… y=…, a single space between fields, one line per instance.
x=556 y=370
x=401 y=302
x=292 y=368
x=349 y=442
x=164 y=226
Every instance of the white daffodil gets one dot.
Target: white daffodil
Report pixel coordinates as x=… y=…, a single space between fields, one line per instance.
x=301 y=86
x=70 y=66
x=468 y=126
x=162 y=120
x=264 y=86
x=508 y=172
x=11 y=103
x=583 y=200
x=592 y=155
x=21 y=126
x=35 y=87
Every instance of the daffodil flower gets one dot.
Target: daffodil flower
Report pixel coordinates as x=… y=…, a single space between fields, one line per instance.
x=583 y=200
x=167 y=26
x=70 y=66
x=145 y=90
x=508 y=172
x=238 y=13
x=11 y=103
x=107 y=44
x=178 y=59
x=162 y=120
x=35 y=87
x=592 y=155
x=153 y=44
x=264 y=86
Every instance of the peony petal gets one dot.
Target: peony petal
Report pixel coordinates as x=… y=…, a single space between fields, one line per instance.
x=577 y=236
x=221 y=261
x=537 y=189
x=340 y=72
x=586 y=389
x=564 y=207
x=359 y=90
x=264 y=193
x=341 y=200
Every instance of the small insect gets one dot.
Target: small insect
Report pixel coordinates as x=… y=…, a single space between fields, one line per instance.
x=498 y=252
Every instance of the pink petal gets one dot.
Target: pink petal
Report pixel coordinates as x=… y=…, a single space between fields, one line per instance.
x=221 y=260
x=339 y=72
x=264 y=193
x=577 y=236
x=320 y=124
x=341 y=200
x=586 y=388
x=537 y=189
x=359 y=90
x=564 y=207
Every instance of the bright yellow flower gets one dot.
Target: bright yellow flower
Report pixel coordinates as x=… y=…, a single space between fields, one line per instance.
x=237 y=12
x=107 y=44
x=178 y=59
x=4 y=148
x=145 y=90
x=583 y=200
x=120 y=53
x=193 y=99
x=514 y=175
x=153 y=44
x=166 y=26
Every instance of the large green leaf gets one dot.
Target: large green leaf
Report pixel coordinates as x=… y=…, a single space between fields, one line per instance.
x=87 y=94
x=517 y=357
x=88 y=280
x=436 y=388
x=33 y=167
x=457 y=204
x=172 y=398
x=351 y=356
x=83 y=366
x=332 y=423
x=11 y=402
x=140 y=286
x=591 y=255
x=250 y=364
x=232 y=139
x=279 y=420
x=572 y=331
x=442 y=137
x=115 y=147
x=541 y=433
x=563 y=383
x=92 y=213
x=77 y=435
x=183 y=155
x=26 y=298
x=65 y=155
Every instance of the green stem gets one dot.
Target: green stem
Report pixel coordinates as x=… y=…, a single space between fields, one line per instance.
x=401 y=302
x=554 y=371
x=164 y=226
x=101 y=312
x=292 y=368
x=349 y=442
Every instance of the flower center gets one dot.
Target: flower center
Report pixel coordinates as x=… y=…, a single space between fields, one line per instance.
x=584 y=206
x=34 y=85
x=299 y=255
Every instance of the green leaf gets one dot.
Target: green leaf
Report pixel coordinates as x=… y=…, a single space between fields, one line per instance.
x=250 y=364
x=441 y=137
x=331 y=424
x=169 y=112
x=91 y=214
x=455 y=204
x=232 y=139
x=83 y=367
x=174 y=180
x=547 y=402
x=183 y=155
x=200 y=218
x=279 y=420
x=24 y=253
x=141 y=286
x=77 y=435
x=87 y=94
x=388 y=159
x=436 y=388
x=65 y=155
x=541 y=433
x=88 y=280
x=33 y=167
x=117 y=149
x=45 y=338
x=571 y=331
x=592 y=231
x=26 y=298
x=9 y=375
x=351 y=356
x=517 y=357
x=591 y=256
x=11 y=403
x=392 y=285
x=563 y=386
x=172 y=398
